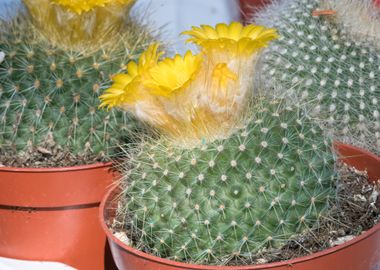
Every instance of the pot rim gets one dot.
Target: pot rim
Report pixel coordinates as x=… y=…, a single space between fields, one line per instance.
x=182 y=265
x=56 y=169
x=336 y=144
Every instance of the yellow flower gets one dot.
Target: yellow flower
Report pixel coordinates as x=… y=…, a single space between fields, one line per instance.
x=79 y=6
x=123 y=90
x=149 y=58
x=234 y=38
x=172 y=74
x=126 y=88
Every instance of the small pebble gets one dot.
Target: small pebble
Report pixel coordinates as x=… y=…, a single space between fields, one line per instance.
x=366 y=188
x=261 y=261
x=359 y=198
x=374 y=195
x=341 y=240
x=341 y=232
x=122 y=237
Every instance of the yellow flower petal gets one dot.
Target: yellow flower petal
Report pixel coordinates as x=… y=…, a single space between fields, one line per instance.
x=209 y=31
x=222 y=31
x=247 y=30
x=126 y=88
x=149 y=58
x=172 y=74
x=111 y=97
x=233 y=38
x=122 y=79
x=132 y=69
x=235 y=31
x=116 y=95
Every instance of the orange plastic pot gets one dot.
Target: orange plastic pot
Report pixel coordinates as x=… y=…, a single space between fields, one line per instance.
x=248 y=8
x=52 y=214
x=361 y=253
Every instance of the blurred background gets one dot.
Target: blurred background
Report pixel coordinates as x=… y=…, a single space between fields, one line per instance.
x=177 y=15
x=180 y=15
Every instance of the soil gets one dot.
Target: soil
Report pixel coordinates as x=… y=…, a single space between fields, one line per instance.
x=47 y=158
x=356 y=211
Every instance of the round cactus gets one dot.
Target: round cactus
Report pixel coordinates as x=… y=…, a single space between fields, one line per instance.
x=256 y=189
x=232 y=173
x=49 y=95
x=317 y=61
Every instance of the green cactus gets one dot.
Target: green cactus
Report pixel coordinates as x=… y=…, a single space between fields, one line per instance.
x=317 y=61
x=49 y=95
x=232 y=173
x=268 y=181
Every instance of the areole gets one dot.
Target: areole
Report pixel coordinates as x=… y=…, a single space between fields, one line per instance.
x=361 y=253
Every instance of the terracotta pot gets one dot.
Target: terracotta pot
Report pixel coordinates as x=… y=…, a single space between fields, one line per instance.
x=359 y=159
x=52 y=214
x=361 y=253
x=248 y=8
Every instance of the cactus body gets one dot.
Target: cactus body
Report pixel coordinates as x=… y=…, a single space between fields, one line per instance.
x=318 y=61
x=255 y=189
x=49 y=95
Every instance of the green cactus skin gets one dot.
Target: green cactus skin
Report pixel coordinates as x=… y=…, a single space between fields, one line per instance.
x=256 y=189
x=49 y=95
x=321 y=65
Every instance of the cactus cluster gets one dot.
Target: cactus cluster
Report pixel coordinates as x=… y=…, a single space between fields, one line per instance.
x=318 y=61
x=268 y=181
x=233 y=173
x=49 y=94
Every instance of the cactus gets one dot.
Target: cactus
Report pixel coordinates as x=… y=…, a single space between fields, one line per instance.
x=232 y=173
x=321 y=61
x=49 y=93
x=80 y=24
x=256 y=189
x=366 y=14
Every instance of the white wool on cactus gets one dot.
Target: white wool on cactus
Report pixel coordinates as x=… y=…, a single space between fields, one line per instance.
x=360 y=19
x=2 y=56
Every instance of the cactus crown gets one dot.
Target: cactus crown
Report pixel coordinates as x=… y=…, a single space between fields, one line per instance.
x=49 y=95
x=233 y=173
x=79 y=6
x=80 y=25
x=192 y=98
x=318 y=62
